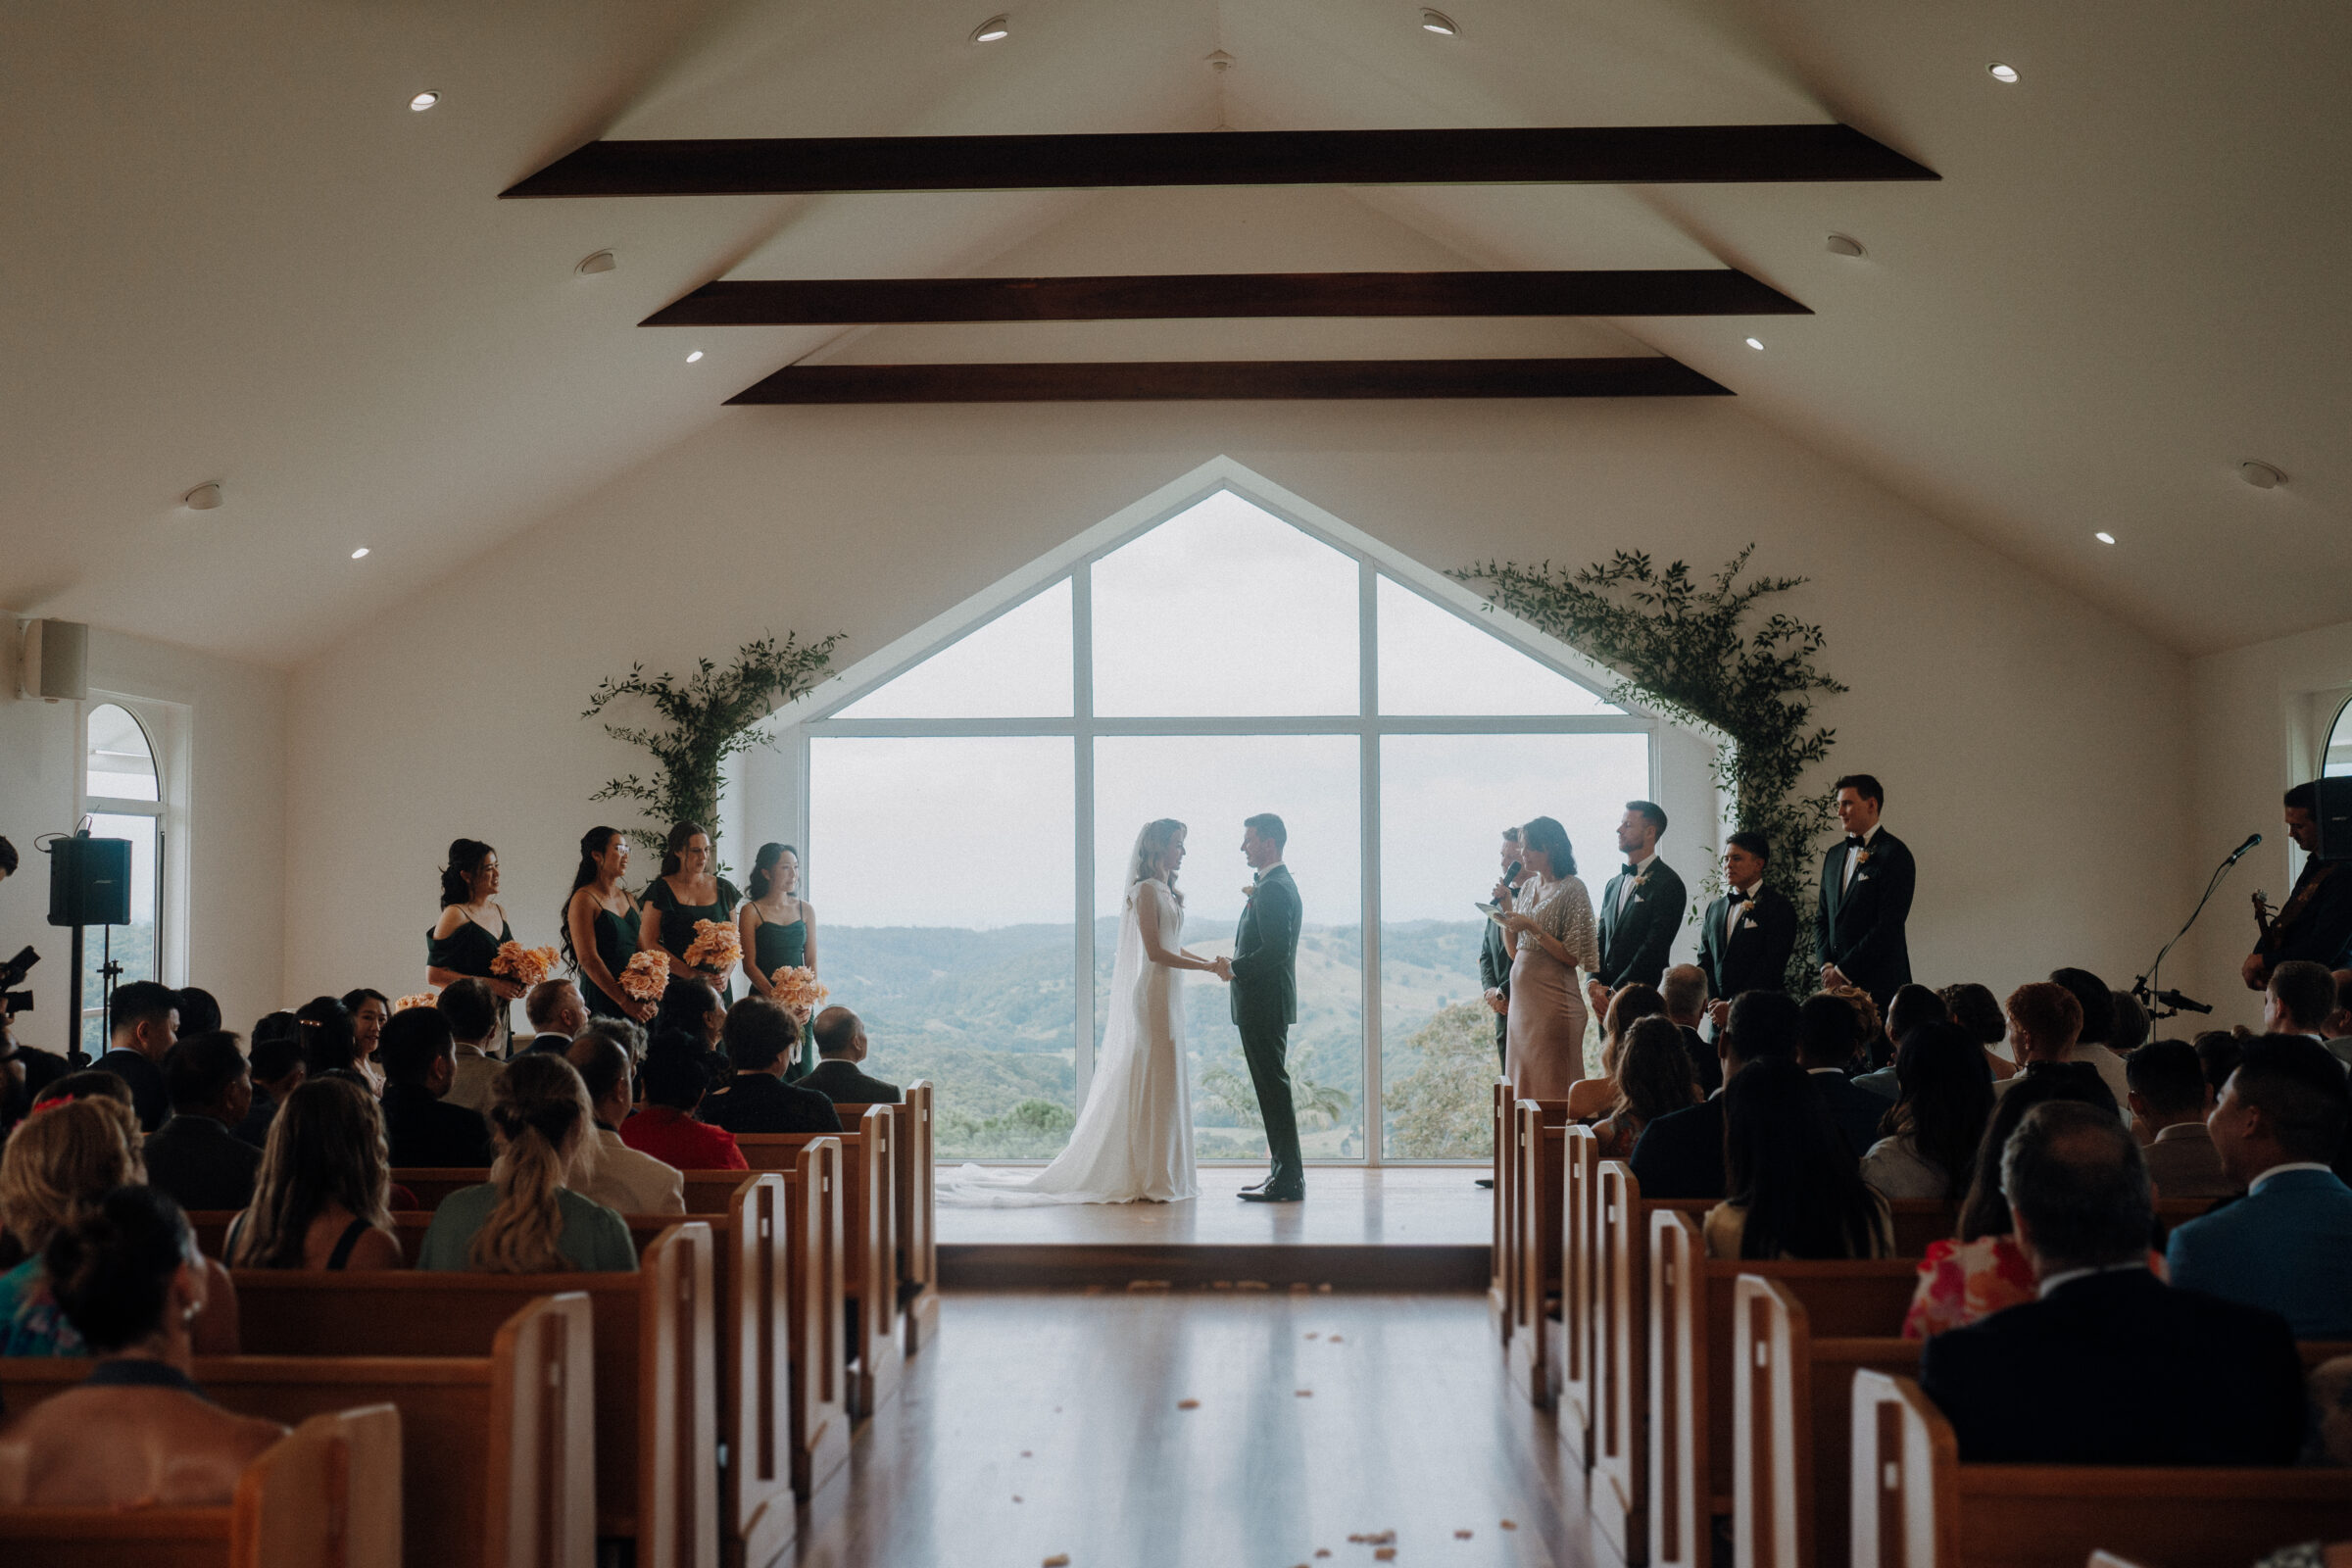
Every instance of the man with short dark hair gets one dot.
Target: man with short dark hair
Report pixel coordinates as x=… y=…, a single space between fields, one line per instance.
x=1828 y=1033
x=1680 y=1154
x=2110 y=1365
x=1495 y=947
x=761 y=1037
x=1684 y=990
x=1640 y=909
x=1867 y=883
x=840 y=1046
x=278 y=1069
x=1263 y=984
x=1747 y=934
x=2315 y=923
x=143 y=1023
x=2298 y=998
x=555 y=1013
x=421 y=1127
x=472 y=1011
x=2168 y=1117
x=624 y=1180
x=195 y=1157
x=2287 y=1245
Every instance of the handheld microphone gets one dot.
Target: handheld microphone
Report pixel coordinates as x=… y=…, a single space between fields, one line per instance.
x=2238 y=853
x=2181 y=1004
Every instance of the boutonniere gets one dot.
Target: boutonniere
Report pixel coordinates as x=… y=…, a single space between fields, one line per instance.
x=1248 y=892
x=1748 y=907
x=1862 y=858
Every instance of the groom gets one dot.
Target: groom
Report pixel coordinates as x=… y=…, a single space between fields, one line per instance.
x=1263 y=972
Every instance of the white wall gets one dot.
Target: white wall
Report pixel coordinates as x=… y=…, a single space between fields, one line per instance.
x=2034 y=749
x=236 y=828
x=2261 y=716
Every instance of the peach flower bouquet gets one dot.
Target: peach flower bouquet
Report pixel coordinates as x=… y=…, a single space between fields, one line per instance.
x=715 y=947
x=416 y=999
x=526 y=966
x=796 y=992
x=645 y=976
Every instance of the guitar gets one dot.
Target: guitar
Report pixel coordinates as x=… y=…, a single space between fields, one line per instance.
x=2266 y=920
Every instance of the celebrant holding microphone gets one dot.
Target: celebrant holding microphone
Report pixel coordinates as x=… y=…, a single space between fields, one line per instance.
x=463 y=944
x=778 y=932
x=684 y=893
x=600 y=926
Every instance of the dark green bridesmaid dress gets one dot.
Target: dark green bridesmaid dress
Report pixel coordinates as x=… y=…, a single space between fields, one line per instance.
x=468 y=949
x=778 y=945
x=615 y=944
x=677 y=920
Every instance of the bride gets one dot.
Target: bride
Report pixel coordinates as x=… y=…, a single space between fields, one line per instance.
x=1134 y=1140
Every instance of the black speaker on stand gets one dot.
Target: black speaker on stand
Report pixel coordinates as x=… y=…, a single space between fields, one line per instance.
x=2334 y=818
x=89 y=884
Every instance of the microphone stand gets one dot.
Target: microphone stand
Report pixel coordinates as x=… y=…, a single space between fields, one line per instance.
x=2145 y=985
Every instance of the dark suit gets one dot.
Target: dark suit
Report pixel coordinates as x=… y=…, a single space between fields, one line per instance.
x=1859 y=924
x=200 y=1164
x=148 y=1095
x=1705 y=1065
x=759 y=1102
x=1856 y=1110
x=839 y=1080
x=1680 y=1154
x=1635 y=940
x=423 y=1129
x=2315 y=923
x=2121 y=1369
x=1265 y=1004
x=1754 y=957
x=1495 y=974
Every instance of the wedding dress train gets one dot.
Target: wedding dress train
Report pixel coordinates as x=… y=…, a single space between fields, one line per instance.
x=1134 y=1138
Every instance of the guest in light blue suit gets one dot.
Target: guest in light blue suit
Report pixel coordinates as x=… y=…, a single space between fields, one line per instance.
x=2287 y=1245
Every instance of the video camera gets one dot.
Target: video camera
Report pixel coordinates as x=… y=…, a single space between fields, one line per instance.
x=14 y=969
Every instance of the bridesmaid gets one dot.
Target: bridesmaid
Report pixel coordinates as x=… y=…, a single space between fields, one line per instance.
x=600 y=926
x=779 y=931
x=1549 y=923
x=470 y=931
x=686 y=892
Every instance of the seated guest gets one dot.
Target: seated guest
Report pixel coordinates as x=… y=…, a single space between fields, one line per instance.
x=1652 y=1080
x=420 y=1126
x=761 y=1041
x=370 y=1010
x=2044 y=1019
x=2130 y=1029
x=1983 y=1271
x=2089 y=1044
x=137 y=1432
x=1795 y=1192
x=1930 y=1147
x=142 y=1022
x=2327 y=1409
x=691 y=1007
x=555 y=1013
x=322 y=1202
x=1590 y=1098
x=1911 y=1007
x=1681 y=1154
x=1684 y=990
x=194 y=1159
x=2217 y=1059
x=2287 y=1245
x=84 y=1085
x=1828 y=1033
x=199 y=1011
x=2108 y=1364
x=527 y=1219
x=472 y=1011
x=664 y=1126
x=277 y=1069
x=624 y=1181
x=841 y=1045
x=2337 y=1030
x=2168 y=1117
x=1974 y=1009
x=53 y=1171
x=2299 y=999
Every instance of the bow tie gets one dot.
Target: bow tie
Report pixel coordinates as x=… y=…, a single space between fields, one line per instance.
x=1856 y=842
x=1630 y=869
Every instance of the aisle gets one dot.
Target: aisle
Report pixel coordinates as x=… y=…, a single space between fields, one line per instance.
x=1410 y=1426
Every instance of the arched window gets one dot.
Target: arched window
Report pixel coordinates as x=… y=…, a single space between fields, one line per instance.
x=122 y=792
x=2336 y=754
x=970 y=804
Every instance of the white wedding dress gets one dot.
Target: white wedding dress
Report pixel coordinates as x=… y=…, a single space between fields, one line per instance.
x=1134 y=1139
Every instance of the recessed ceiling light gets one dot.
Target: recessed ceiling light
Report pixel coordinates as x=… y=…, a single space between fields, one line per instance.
x=2001 y=72
x=600 y=262
x=993 y=31
x=1843 y=245
x=2104 y=538
x=1756 y=343
x=1439 y=23
x=423 y=101
x=203 y=498
x=695 y=354
x=360 y=554
x=2262 y=475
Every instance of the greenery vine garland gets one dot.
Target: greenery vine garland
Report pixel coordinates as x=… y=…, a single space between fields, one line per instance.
x=709 y=718
x=1680 y=647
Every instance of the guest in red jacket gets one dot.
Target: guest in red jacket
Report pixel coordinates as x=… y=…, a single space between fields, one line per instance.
x=665 y=1128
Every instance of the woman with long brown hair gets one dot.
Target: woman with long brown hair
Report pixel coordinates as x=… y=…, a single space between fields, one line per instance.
x=464 y=942
x=686 y=893
x=1654 y=1077
x=323 y=1198
x=526 y=1219
x=600 y=925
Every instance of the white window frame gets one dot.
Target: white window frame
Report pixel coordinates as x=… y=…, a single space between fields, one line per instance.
x=772 y=789
x=166 y=726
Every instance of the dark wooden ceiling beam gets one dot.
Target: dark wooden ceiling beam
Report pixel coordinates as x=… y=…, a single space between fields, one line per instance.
x=1642 y=155
x=843 y=302
x=1185 y=381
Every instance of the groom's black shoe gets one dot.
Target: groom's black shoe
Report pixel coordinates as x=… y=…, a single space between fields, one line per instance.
x=1294 y=1193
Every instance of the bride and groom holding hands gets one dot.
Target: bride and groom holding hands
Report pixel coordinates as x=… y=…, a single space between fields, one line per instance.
x=1134 y=1138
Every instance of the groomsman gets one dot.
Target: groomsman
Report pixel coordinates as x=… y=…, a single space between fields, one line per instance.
x=1495 y=949
x=1866 y=887
x=1749 y=932
x=1640 y=909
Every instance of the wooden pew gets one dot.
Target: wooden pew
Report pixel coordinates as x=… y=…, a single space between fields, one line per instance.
x=327 y=1496
x=492 y=1470
x=1502 y=1292
x=1692 y=1377
x=1580 y=1225
x=1538 y=1197
x=1621 y=1350
x=655 y=1391
x=1916 y=1505
x=914 y=1184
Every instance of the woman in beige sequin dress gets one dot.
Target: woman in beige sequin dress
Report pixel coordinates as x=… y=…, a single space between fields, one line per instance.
x=1549 y=923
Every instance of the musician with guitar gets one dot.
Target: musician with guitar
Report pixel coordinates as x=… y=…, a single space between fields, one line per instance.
x=2316 y=921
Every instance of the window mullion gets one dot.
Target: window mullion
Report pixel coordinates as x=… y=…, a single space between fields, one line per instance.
x=1082 y=818
x=1368 y=821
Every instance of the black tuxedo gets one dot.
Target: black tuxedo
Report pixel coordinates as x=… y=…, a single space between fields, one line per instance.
x=2121 y=1369
x=1754 y=957
x=1680 y=1154
x=1859 y=924
x=2318 y=928
x=1635 y=941
x=148 y=1095
x=1265 y=1004
x=1495 y=974
x=1856 y=1110
x=839 y=1080
x=200 y=1164
x=1705 y=1065
x=423 y=1129
x=762 y=1102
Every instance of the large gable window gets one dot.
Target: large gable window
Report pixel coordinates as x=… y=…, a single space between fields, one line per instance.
x=968 y=808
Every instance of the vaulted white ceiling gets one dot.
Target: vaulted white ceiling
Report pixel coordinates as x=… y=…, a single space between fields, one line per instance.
x=229 y=251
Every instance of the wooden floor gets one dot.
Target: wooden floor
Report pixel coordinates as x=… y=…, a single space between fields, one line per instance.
x=1070 y=1404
